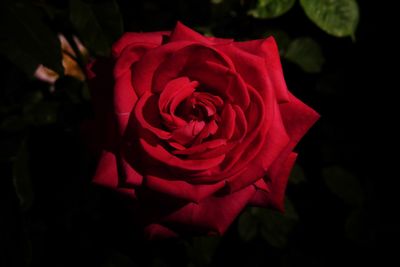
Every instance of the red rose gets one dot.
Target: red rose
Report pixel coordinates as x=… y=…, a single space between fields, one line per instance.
x=195 y=128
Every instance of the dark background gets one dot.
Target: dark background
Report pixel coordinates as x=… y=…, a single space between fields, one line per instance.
x=53 y=216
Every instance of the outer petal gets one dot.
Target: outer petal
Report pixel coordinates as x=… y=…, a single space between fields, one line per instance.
x=274 y=196
x=276 y=140
x=297 y=118
x=158 y=231
x=183 y=33
x=106 y=172
x=268 y=50
x=278 y=183
x=125 y=96
x=130 y=38
x=211 y=216
x=182 y=189
x=143 y=71
x=252 y=69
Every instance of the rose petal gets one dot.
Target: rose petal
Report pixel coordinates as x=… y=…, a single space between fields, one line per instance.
x=221 y=81
x=129 y=38
x=252 y=69
x=184 y=58
x=297 y=117
x=147 y=100
x=161 y=154
x=213 y=215
x=183 y=33
x=258 y=124
x=156 y=231
x=168 y=101
x=182 y=189
x=129 y=174
x=143 y=71
x=186 y=134
x=106 y=172
x=201 y=148
x=275 y=141
x=129 y=56
x=227 y=128
x=124 y=96
x=268 y=49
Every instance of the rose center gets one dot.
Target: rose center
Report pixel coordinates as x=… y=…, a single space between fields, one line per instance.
x=199 y=106
x=199 y=116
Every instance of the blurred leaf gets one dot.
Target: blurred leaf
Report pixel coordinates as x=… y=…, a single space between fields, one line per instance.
x=248 y=225
x=216 y=2
x=297 y=175
x=336 y=17
x=223 y=9
x=202 y=249
x=205 y=30
x=276 y=226
x=17 y=120
x=21 y=177
x=267 y=9
x=117 y=259
x=344 y=185
x=306 y=53
x=98 y=24
x=354 y=225
x=273 y=226
x=13 y=123
x=27 y=41
x=42 y=113
x=85 y=92
x=32 y=98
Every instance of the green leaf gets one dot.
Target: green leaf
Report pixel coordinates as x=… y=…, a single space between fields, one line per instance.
x=202 y=249
x=267 y=9
x=248 y=225
x=343 y=184
x=336 y=17
x=290 y=212
x=273 y=226
x=98 y=24
x=25 y=40
x=297 y=175
x=306 y=53
x=276 y=226
x=21 y=177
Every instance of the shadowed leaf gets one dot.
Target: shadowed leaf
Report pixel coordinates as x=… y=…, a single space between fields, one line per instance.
x=25 y=40
x=306 y=53
x=99 y=24
x=343 y=184
x=268 y=9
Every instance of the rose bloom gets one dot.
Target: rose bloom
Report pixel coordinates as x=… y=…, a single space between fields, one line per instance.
x=194 y=128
